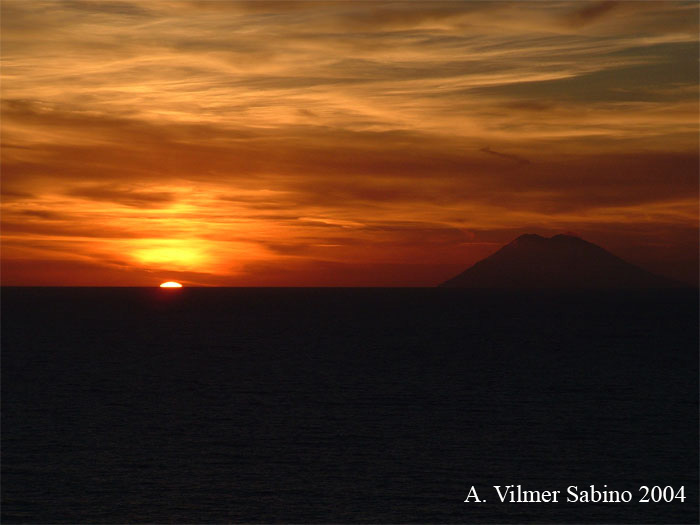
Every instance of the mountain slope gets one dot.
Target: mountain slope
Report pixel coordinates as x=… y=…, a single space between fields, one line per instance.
x=560 y=262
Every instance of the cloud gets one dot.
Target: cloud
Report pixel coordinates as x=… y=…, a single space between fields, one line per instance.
x=515 y=158
x=43 y=214
x=113 y=8
x=8 y=194
x=332 y=136
x=592 y=11
x=125 y=196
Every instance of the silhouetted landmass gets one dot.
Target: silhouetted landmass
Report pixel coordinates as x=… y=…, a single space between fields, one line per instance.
x=562 y=262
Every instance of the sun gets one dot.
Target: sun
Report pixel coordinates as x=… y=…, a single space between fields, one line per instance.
x=171 y=284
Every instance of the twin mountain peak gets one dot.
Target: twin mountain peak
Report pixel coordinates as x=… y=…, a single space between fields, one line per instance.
x=559 y=262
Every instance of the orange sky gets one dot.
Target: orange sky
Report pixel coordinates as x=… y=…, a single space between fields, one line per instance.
x=341 y=143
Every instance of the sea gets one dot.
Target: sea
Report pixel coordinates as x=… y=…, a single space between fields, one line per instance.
x=347 y=405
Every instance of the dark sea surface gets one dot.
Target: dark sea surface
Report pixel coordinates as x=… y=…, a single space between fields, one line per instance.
x=222 y=405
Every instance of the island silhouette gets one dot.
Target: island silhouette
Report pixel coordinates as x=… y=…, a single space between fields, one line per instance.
x=561 y=262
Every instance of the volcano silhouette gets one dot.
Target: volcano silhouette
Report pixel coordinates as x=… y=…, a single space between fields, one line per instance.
x=561 y=262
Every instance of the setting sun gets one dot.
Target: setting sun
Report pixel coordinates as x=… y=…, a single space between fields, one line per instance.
x=171 y=284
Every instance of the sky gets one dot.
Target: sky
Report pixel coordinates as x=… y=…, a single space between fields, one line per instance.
x=341 y=143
